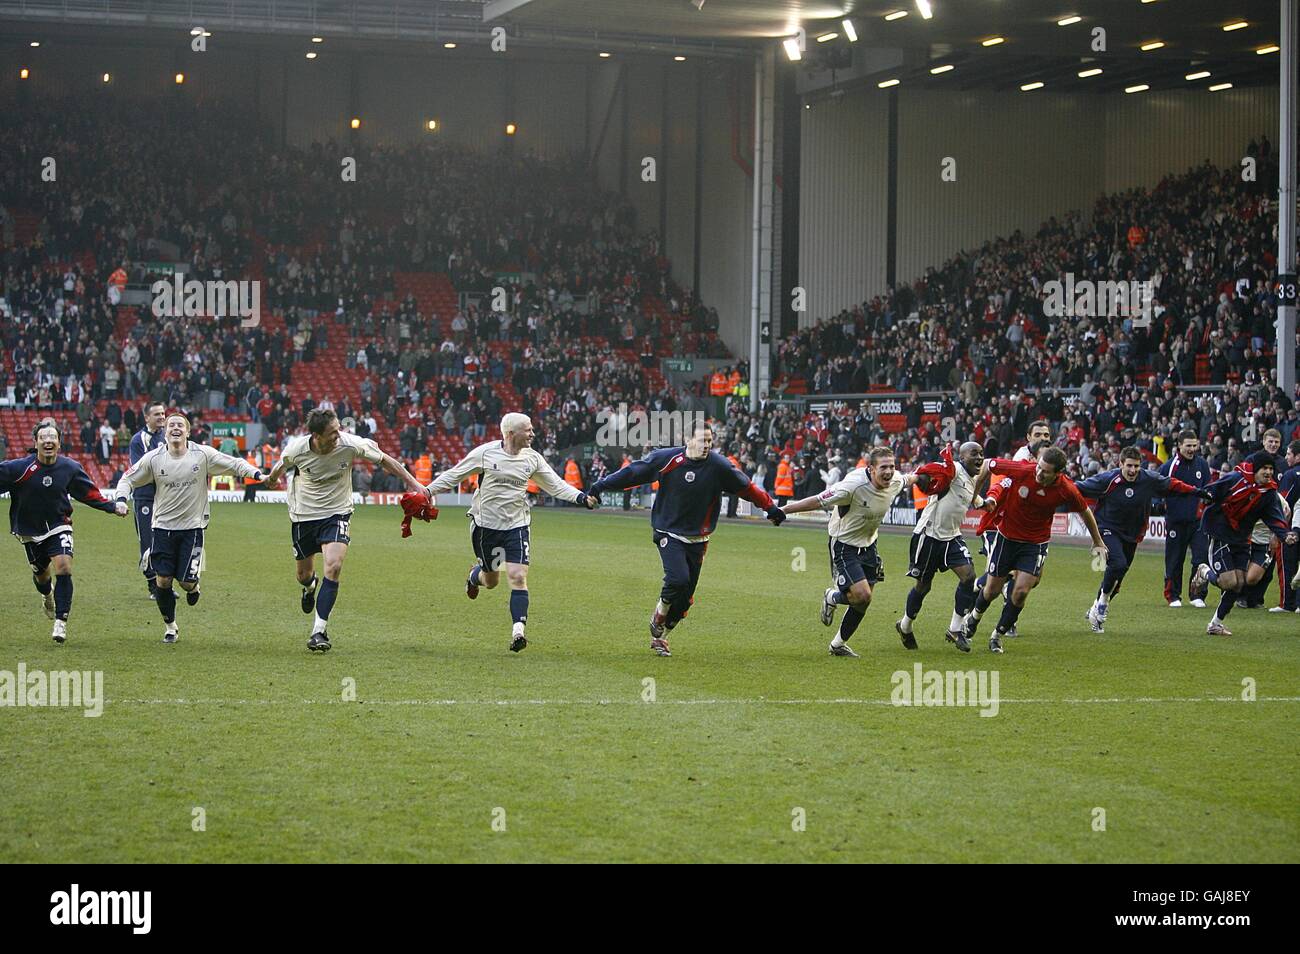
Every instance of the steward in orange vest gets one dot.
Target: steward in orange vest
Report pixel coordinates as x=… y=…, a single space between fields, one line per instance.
x=784 y=479
x=572 y=474
x=250 y=485
x=719 y=385
x=424 y=470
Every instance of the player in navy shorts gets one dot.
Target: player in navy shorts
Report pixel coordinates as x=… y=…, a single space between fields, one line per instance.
x=40 y=515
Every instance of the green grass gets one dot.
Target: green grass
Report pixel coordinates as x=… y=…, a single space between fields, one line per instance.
x=239 y=719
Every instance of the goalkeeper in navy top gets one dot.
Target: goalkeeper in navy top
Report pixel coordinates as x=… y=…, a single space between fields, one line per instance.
x=1238 y=501
x=40 y=515
x=1123 y=509
x=145 y=440
x=692 y=482
x=1183 y=519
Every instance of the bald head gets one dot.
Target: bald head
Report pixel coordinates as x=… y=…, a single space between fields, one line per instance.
x=971 y=455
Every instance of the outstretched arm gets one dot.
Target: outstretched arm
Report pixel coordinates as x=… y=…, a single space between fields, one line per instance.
x=471 y=463
x=398 y=469
x=635 y=474
x=82 y=488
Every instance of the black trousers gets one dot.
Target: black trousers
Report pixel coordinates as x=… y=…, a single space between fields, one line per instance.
x=682 y=563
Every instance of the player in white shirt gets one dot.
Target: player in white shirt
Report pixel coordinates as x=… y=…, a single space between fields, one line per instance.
x=179 y=471
x=320 y=507
x=857 y=505
x=937 y=543
x=500 y=515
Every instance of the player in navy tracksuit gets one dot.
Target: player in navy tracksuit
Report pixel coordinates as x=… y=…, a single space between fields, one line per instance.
x=1183 y=519
x=40 y=515
x=1123 y=508
x=692 y=481
x=1288 y=485
x=1238 y=501
x=145 y=440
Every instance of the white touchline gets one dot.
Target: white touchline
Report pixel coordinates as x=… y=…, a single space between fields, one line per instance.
x=1143 y=700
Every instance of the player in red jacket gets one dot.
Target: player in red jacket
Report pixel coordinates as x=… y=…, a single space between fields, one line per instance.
x=1021 y=533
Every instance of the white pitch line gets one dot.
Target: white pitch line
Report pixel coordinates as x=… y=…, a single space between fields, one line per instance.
x=1140 y=700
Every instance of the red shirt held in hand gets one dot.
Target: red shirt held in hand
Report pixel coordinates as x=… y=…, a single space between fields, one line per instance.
x=1026 y=507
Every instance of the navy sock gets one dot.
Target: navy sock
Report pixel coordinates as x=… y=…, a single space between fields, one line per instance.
x=981 y=580
x=42 y=588
x=519 y=606
x=1111 y=580
x=914 y=601
x=1010 y=613
x=1226 y=603
x=840 y=598
x=981 y=602
x=325 y=597
x=167 y=603
x=62 y=596
x=964 y=598
x=474 y=574
x=849 y=622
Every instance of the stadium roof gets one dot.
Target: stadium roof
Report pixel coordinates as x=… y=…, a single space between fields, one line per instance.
x=1033 y=48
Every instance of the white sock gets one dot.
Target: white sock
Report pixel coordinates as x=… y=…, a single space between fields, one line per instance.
x=517 y=629
x=311 y=585
x=319 y=626
x=837 y=642
x=1103 y=599
x=905 y=624
x=662 y=608
x=975 y=613
x=957 y=620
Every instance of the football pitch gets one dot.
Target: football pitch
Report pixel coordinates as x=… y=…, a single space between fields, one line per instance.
x=421 y=738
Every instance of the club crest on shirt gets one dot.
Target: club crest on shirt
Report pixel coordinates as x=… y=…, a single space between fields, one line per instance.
x=1024 y=492
x=1128 y=492
x=690 y=476
x=47 y=481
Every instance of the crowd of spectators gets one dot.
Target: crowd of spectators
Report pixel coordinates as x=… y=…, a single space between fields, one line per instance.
x=579 y=331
